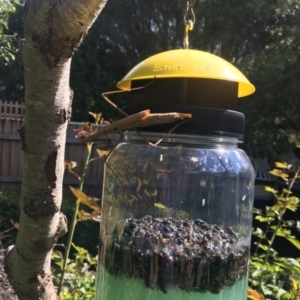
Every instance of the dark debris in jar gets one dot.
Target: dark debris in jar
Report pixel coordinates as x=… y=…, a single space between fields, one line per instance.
x=190 y=254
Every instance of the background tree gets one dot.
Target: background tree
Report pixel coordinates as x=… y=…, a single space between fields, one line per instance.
x=6 y=52
x=53 y=31
x=11 y=83
x=272 y=112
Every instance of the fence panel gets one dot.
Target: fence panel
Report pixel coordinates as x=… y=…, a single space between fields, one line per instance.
x=12 y=110
x=11 y=155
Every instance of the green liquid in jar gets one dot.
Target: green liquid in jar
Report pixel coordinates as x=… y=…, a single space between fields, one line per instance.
x=124 y=288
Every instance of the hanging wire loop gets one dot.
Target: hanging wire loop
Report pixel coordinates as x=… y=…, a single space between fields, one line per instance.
x=188 y=22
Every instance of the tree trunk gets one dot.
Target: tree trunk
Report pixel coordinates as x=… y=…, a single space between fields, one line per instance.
x=53 y=31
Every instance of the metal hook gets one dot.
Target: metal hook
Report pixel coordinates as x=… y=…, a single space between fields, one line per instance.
x=189 y=24
x=189 y=9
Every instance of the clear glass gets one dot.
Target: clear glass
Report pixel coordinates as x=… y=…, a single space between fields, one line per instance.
x=176 y=220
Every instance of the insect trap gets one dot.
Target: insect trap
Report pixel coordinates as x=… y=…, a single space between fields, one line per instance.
x=177 y=215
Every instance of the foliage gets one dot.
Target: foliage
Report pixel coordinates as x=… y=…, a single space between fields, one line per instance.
x=6 y=41
x=11 y=81
x=9 y=208
x=295 y=291
x=94 y=211
x=80 y=274
x=270 y=275
x=86 y=235
x=86 y=232
x=274 y=70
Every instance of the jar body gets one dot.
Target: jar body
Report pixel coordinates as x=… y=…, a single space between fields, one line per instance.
x=176 y=220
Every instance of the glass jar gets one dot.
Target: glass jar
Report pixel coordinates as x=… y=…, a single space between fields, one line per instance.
x=176 y=219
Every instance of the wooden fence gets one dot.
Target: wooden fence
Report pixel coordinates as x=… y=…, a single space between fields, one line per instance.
x=11 y=155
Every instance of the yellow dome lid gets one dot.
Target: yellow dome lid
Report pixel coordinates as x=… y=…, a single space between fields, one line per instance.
x=187 y=63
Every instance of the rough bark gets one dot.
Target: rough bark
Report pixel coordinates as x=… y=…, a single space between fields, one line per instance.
x=53 y=31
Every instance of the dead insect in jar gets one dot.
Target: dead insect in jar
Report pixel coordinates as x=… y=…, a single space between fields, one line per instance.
x=160 y=205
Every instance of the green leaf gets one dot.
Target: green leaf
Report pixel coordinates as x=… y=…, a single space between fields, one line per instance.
x=293 y=262
x=290 y=264
x=295 y=242
x=271 y=190
x=264 y=247
x=298 y=226
x=82 y=215
x=92 y=202
x=286 y=191
x=89 y=257
x=57 y=255
x=257 y=211
x=292 y=207
x=293 y=200
x=264 y=219
x=258 y=272
x=281 y=231
x=258 y=230
x=259 y=233
x=80 y=250
x=278 y=208
x=279 y=173
x=80 y=195
x=266 y=290
x=280 y=293
x=282 y=165
x=70 y=164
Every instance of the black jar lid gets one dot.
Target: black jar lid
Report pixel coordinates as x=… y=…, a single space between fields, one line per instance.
x=204 y=121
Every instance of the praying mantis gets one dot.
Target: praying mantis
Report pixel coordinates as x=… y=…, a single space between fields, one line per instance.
x=140 y=119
